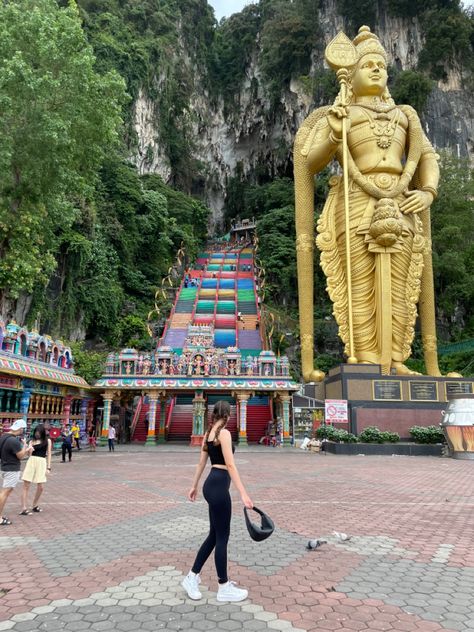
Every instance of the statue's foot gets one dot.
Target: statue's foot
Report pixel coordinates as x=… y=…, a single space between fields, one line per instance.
x=453 y=374
x=401 y=369
x=314 y=376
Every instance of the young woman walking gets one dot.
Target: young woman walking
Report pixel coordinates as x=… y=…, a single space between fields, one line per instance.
x=35 y=471
x=217 y=445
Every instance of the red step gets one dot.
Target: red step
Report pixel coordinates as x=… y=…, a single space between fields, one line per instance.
x=140 y=434
x=181 y=424
x=258 y=417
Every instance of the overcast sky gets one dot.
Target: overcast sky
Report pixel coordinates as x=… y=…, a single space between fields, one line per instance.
x=227 y=7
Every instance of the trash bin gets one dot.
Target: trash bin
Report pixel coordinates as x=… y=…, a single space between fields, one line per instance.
x=458 y=426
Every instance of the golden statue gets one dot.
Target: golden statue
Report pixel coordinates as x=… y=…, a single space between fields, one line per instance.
x=374 y=232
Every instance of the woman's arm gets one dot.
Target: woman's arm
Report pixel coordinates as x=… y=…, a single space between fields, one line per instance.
x=226 y=445
x=199 y=470
x=48 y=455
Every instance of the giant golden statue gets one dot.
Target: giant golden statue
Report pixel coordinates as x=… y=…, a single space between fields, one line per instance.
x=374 y=231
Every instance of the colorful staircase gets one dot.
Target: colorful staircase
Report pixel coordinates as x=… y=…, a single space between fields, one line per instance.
x=225 y=296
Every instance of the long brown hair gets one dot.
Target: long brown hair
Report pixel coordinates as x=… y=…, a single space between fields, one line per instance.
x=221 y=413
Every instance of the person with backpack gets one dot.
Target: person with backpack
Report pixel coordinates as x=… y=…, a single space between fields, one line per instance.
x=13 y=449
x=66 y=446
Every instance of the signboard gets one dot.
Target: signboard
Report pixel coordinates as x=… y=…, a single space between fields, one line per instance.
x=387 y=389
x=458 y=387
x=335 y=411
x=423 y=391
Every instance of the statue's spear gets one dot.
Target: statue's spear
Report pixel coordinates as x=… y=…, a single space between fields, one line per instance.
x=341 y=56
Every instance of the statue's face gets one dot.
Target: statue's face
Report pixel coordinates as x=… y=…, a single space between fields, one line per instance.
x=370 y=77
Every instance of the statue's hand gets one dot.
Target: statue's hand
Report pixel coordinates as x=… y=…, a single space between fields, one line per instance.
x=416 y=201
x=335 y=116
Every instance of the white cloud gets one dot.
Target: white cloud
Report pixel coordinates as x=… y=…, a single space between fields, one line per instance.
x=224 y=8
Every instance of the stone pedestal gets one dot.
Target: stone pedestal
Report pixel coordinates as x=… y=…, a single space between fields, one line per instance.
x=391 y=402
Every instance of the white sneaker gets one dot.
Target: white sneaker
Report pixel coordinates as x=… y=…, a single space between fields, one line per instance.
x=230 y=592
x=191 y=585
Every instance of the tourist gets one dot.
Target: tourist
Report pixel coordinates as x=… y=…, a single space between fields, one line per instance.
x=12 y=450
x=217 y=444
x=111 y=438
x=66 y=445
x=35 y=471
x=76 y=433
x=91 y=437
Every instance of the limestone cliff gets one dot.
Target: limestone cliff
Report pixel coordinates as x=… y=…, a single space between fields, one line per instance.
x=258 y=134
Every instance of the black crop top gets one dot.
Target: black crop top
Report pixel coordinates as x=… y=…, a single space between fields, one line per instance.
x=215 y=453
x=40 y=449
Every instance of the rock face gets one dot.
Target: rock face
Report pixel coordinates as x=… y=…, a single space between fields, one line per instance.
x=259 y=135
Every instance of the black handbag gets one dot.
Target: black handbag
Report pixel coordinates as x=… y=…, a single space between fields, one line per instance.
x=262 y=531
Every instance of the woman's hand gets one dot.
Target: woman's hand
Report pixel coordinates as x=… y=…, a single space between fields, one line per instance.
x=246 y=500
x=192 y=494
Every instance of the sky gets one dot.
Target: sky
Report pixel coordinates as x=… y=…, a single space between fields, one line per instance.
x=227 y=7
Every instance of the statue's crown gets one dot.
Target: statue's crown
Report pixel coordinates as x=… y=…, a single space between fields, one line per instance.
x=367 y=42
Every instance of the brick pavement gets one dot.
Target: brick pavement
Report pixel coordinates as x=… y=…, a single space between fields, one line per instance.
x=116 y=537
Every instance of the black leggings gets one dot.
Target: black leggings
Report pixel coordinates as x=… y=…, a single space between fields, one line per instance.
x=216 y=493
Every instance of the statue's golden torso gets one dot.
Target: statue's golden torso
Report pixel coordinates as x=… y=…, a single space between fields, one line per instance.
x=377 y=140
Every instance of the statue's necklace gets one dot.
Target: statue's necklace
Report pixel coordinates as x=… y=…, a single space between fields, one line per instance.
x=383 y=126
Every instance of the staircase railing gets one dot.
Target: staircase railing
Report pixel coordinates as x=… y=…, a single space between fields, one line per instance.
x=136 y=417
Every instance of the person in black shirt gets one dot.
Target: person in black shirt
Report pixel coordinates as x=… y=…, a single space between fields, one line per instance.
x=217 y=445
x=12 y=450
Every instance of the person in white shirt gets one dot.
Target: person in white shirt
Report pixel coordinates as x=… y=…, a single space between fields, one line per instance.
x=111 y=437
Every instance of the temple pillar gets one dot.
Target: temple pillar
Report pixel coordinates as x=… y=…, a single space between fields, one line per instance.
x=153 y=400
x=285 y=399
x=162 y=429
x=242 y=400
x=66 y=408
x=199 y=409
x=25 y=401
x=108 y=398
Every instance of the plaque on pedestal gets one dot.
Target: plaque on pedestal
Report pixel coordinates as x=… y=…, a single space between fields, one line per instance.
x=423 y=391
x=387 y=390
x=453 y=388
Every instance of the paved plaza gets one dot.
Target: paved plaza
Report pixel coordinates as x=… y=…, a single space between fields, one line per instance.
x=117 y=536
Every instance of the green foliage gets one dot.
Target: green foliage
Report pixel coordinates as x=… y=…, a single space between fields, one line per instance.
x=335 y=434
x=358 y=13
x=58 y=117
x=428 y=434
x=453 y=223
x=88 y=364
x=324 y=361
x=372 y=434
x=232 y=52
x=411 y=88
x=288 y=38
x=131 y=331
x=449 y=40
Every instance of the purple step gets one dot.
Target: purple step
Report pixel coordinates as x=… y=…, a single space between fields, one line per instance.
x=175 y=338
x=249 y=339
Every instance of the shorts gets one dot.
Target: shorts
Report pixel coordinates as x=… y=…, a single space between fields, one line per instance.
x=10 y=479
x=35 y=470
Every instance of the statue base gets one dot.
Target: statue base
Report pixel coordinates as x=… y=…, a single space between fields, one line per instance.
x=391 y=402
x=196 y=440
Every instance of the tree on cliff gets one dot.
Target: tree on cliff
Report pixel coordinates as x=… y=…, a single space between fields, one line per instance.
x=58 y=118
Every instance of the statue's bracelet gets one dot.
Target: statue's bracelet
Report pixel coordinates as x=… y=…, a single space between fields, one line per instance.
x=333 y=139
x=431 y=190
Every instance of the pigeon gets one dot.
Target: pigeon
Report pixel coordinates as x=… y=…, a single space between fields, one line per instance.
x=315 y=544
x=342 y=537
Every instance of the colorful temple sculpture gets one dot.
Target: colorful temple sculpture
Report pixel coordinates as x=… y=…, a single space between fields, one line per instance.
x=38 y=383
x=212 y=348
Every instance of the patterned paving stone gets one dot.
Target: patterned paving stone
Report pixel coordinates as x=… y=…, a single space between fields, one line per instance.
x=113 y=559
